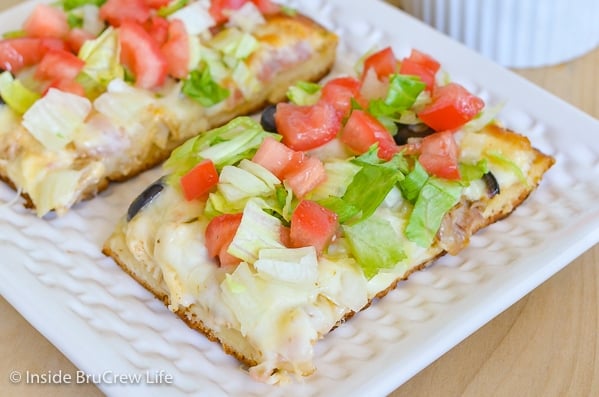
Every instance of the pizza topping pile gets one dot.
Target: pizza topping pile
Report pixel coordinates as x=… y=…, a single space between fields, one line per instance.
x=95 y=88
x=330 y=168
x=77 y=47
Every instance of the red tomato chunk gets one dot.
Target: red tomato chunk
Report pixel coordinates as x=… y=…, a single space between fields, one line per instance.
x=115 y=12
x=452 y=106
x=307 y=127
x=219 y=234
x=363 y=130
x=421 y=65
x=141 y=54
x=383 y=62
x=176 y=50
x=15 y=54
x=274 y=156
x=340 y=91
x=46 y=21
x=199 y=180
x=439 y=155
x=299 y=171
x=312 y=225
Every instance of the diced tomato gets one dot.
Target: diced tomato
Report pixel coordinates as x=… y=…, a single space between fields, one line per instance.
x=176 y=50
x=439 y=155
x=284 y=236
x=452 y=106
x=115 y=12
x=274 y=156
x=76 y=37
x=158 y=28
x=199 y=180
x=267 y=6
x=339 y=93
x=383 y=62
x=307 y=127
x=67 y=85
x=141 y=54
x=219 y=8
x=59 y=65
x=219 y=234
x=156 y=4
x=312 y=225
x=363 y=130
x=304 y=175
x=422 y=65
x=46 y=21
x=295 y=163
x=18 y=53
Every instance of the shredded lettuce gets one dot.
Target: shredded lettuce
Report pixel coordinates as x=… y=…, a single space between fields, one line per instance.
x=304 y=93
x=410 y=187
x=102 y=63
x=482 y=119
x=171 y=7
x=229 y=144
x=498 y=158
x=368 y=188
x=375 y=245
x=74 y=21
x=291 y=265
x=339 y=175
x=18 y=97
x=402 y=94
x=246 y=80
x=54 y=119
x=201 y=87
x=436 y=198
x=14 y=34
x=247 y=180
x=288 y=10
x=238 y=184
x=234 y=43
x=69 y=5
x=472 y=172
x=257 y=230
x=403 y=91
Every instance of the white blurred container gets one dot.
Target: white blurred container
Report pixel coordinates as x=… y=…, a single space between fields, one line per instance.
x=515 y=33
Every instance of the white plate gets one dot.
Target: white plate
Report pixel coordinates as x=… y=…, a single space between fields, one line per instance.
x=54 y=274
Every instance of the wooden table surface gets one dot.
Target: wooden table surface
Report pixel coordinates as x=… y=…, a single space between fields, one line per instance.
x=544 y=345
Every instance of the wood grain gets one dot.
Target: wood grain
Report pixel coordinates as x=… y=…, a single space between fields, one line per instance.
x=544 y=345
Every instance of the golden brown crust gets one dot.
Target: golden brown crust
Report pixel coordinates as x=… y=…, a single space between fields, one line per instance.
x=187 y=316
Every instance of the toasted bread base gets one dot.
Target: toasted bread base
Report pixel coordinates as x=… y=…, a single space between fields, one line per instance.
x=498 y=207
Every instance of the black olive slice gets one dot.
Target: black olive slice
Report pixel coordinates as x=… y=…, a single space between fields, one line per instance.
x=267 y=120
x=406 y=131
x=492 y=185
x=145 y=198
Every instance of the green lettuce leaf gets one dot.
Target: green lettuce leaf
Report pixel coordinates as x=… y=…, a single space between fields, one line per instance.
x=368 y=188
x=226 y=145
x=69 y=5
x=102 y=63
x=171 y=8
x=436 y=198
x=201 y=87
x=375 y=245
x=18 y=97
x=304 y=93
x=412 y=184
